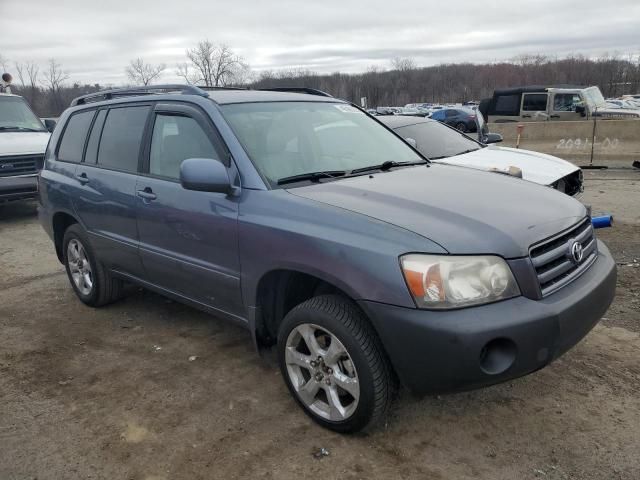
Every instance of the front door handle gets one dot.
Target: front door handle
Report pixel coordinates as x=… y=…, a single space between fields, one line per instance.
x=526 y=116
x=146 y=194
x=555 y=116
x=82 y=178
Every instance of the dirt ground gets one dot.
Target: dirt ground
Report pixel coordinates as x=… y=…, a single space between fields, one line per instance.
x=113 y=393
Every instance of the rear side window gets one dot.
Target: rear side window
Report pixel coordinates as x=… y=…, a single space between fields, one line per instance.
x=75 y=134
x=122 y=137
x=534 y=102
x=175 y=139
x=452 y=113
x=507 y=105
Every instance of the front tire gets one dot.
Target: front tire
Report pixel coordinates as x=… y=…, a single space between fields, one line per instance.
x=91 y=281
x=334 y=365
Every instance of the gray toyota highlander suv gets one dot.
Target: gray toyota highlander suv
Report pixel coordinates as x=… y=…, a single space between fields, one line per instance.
x=330 y=239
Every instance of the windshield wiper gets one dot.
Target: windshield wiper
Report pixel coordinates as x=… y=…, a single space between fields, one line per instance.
x=22 y=129
x=313 y=176
x=384 y=166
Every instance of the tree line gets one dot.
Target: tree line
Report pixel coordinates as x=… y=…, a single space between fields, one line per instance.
x=49 y=88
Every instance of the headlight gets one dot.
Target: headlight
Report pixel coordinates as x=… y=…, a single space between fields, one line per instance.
x=446 y=281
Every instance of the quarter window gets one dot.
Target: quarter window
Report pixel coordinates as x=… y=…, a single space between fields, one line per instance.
x=507 y=105
x=534 y=102
x=175 y=139
x=75 y=134
x=122 y=137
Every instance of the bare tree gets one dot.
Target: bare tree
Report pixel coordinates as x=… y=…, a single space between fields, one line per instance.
x=403 y=64
x=28 y=73
x=145 y=73
x=185 y=71
x=3 y=63
x=214 y=65
x=54 y=78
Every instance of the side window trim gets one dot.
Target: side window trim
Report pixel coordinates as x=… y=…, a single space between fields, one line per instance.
x=86 y=142
x=142 y=143
x=61 y=137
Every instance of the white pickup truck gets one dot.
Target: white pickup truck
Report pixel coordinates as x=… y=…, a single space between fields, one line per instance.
x=23 y=141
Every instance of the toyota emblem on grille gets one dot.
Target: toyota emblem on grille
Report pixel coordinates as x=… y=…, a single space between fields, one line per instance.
x=576 y=252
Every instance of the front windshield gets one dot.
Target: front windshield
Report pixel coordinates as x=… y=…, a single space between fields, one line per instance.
x=435 y=140
x=16 y=115
x=284 y=139
x=593 y=97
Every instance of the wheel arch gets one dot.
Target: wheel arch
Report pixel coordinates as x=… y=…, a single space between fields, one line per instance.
x=60 y=222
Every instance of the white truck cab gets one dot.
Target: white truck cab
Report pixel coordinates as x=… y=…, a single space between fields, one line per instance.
x=539 y=103
x=23 y=141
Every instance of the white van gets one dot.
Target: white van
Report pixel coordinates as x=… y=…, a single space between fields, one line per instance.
x=23 y=141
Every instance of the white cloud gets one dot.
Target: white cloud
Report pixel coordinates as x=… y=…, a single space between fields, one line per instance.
x=95 y=40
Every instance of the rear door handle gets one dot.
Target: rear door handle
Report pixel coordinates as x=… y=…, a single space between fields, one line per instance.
x=555 y=116
x=526 y=116
x=147 y=194
x=82 y=178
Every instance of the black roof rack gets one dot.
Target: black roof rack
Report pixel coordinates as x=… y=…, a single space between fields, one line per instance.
x=212 y=89
x=135 y=91
x=307 y=90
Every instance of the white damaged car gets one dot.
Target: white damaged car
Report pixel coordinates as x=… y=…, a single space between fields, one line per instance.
x=23 y=141
x=444 y=144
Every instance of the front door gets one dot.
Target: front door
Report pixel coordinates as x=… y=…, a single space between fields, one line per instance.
x=563 y=106
x=188 y=239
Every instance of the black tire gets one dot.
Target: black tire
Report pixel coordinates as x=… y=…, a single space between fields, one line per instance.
x=376 y=379
x=105 y=289
x=461 y=126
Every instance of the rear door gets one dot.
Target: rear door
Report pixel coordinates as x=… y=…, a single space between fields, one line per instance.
x=534 y=107
x=107 y=178
x=188 y=239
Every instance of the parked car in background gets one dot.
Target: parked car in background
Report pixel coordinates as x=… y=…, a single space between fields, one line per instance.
x=462 y=119
x=540 y=103
x=441 y=143
x=306 y=221
x=23 y=140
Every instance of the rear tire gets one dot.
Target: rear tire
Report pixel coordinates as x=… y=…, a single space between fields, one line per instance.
x=334 y=364
x=93 y=283
x=461 y=127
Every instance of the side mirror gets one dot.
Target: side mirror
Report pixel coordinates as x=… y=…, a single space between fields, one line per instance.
x=205 y=175
x=581 y=110
x=49 y=124
x=492 y=138
x=412 y=142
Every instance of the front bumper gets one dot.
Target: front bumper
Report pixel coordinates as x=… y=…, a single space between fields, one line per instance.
x=18 y=188
x=446 y=351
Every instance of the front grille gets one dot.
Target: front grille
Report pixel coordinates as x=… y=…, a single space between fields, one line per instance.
x=20 y=165
x=570 y=184
x=554 y=262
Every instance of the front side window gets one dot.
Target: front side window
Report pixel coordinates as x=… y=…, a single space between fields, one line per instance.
x=435 y=140
x=566 y=102
x=75 y=134
x=175 y=139
x=284 y=139
x=16 y=116
x=122 y=137
x=534 y=102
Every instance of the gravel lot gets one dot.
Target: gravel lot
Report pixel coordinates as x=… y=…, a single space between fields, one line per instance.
x=112 y=393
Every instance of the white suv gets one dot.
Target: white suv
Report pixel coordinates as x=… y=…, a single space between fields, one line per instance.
x=23 y=140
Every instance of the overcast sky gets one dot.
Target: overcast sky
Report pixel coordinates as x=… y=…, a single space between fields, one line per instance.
x=94 y=40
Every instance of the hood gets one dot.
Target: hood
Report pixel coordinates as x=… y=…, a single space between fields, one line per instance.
x=23 y=143
x=463 y=210
x=536 y=167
